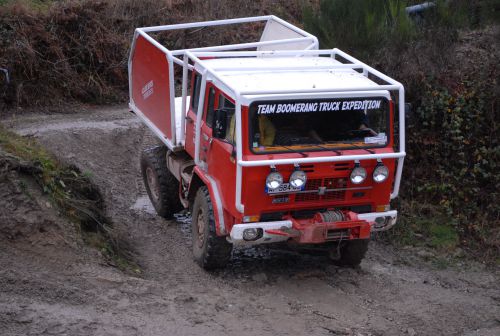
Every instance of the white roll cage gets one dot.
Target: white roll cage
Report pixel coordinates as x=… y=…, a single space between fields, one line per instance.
x=264 y=48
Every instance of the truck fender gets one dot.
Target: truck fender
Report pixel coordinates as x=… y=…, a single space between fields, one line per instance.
x=199 y=179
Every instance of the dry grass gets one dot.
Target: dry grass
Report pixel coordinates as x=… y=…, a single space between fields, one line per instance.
x=78 y=50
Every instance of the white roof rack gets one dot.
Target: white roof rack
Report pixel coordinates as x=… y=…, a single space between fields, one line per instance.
x=278 y=50
x=260 y=74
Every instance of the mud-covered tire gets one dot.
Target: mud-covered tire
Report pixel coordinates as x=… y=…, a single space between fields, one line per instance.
x=351 y=253
x=209 y=250
x=161 y=185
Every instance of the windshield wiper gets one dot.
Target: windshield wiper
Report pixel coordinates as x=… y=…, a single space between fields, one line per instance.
x=366 y=149
x=295 y=151
x=328 y=149
x=325 y=148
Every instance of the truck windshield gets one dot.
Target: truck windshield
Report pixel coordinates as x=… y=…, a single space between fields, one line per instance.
x=312 y=125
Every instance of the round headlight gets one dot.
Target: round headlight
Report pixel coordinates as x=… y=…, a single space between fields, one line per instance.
x=358 y=175
x=298 y=179
x=252 y=234
x=274 y=180
x=380 y=173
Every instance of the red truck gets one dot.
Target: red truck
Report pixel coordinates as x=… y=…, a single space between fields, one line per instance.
x=269 y=141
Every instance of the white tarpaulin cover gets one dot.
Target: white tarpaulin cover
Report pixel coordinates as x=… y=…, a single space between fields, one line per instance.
x=276 y=31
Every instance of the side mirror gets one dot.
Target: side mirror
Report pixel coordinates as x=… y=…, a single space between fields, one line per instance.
x=220 y=123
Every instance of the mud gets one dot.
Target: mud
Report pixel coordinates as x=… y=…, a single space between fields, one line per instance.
x=58 y=286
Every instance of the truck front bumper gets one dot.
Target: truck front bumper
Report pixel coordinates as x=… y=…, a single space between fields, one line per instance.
x=381 y=221
x=312 y=232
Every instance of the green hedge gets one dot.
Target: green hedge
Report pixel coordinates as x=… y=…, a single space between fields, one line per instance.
x=451 y=183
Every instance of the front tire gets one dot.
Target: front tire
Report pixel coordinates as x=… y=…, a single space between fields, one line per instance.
x=351 y=253
x=161 y=185
x=209 y=250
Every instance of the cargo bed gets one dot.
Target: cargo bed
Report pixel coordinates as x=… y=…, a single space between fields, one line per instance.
x=151 y=69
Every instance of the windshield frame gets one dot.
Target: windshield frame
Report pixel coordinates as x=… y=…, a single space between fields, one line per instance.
x=322 y=147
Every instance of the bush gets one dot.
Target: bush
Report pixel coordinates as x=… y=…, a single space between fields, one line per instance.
x=454 y=155
x=366 y=26
x=359 y=25
x=451 y=179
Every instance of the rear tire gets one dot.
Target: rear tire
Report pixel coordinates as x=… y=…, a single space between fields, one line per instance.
x=209 y=250
x=351 y=253
x=161 y=185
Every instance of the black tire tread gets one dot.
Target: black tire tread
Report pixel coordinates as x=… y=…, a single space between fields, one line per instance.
x=216 y=252
x=169 y=202
x=352 y=253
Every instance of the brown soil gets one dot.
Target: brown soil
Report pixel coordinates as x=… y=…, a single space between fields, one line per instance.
x=52 y=284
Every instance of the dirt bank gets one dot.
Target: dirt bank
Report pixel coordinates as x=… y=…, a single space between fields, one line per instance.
x=58 y=286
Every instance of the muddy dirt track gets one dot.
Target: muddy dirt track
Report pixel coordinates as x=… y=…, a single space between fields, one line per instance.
x=58 y=286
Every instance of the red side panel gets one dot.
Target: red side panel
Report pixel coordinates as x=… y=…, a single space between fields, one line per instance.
x=150 y=84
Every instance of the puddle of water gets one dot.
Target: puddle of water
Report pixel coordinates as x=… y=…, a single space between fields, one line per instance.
x=274 y=260
x=183 y=218
x=143 y=204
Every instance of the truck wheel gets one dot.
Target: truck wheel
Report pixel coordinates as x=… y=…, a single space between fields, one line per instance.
x=351 y=253
x=209 y=250
x=161 y=184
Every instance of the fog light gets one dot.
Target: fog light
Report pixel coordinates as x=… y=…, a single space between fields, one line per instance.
x=274 y=180
x=358 y=174
x=380 y=173
x=252 y=234
x=380 y=222
x=298 y=178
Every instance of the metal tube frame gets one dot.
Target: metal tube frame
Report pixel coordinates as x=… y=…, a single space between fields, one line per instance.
x=247 y=97
x=172 y=57
x=242 y=45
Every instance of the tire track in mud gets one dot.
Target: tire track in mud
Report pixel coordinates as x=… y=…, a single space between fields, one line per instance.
x=264 y=290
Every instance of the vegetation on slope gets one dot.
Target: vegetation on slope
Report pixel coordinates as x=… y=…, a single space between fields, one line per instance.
x=77 y=51
x=450 y=191
x=69 y=190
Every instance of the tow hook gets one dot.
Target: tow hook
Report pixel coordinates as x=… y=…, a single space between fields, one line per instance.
x=334 y=253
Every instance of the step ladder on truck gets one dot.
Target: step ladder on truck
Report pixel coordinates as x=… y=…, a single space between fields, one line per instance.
x=272 y=141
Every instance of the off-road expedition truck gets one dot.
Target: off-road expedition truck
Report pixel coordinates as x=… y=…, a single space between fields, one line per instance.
x=269 y=141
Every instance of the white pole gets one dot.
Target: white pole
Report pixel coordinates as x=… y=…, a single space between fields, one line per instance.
x=184 y=97
x=199 y=115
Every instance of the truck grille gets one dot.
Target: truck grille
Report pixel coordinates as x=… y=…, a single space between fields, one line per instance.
x=313 y=187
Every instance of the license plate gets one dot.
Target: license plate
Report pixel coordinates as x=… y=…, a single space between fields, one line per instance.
x=284 y=188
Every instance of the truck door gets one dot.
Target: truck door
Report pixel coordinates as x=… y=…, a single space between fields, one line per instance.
x=206 y=127
x=220 y=153
x=191 y=115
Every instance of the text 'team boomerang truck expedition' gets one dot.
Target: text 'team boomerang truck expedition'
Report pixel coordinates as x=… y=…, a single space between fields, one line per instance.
x=269 y=141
